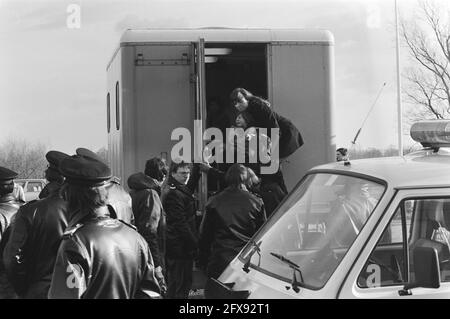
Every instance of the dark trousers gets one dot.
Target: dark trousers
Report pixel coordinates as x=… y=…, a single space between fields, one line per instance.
x=179 y=277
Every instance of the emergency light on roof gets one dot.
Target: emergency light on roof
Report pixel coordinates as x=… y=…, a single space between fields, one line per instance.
x=433 y=133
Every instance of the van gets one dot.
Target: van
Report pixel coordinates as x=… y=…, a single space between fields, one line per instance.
x=370 y=228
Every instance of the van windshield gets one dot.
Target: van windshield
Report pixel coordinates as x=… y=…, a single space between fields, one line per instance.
x=311 y=232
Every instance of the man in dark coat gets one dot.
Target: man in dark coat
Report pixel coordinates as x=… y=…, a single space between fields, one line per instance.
x=149 y=216
x=99 y=256
x=30 y=253
x=8 y=209
x=181 y=233
x=118 y=198
x=232 y=217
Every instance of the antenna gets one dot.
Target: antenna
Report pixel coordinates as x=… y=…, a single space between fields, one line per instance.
x=371 y=108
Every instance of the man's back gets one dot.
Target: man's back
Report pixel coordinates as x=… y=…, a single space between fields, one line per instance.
x=107 y=259
x=35 y=238
x=232 y=218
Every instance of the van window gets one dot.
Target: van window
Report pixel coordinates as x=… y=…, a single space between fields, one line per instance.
x=34 y=187
x=312 y=231
x=415 y=222
x=117 y=106
x=108 y=113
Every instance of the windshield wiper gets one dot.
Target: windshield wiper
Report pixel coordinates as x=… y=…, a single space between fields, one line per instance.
x=295 y=283
x=255 y=249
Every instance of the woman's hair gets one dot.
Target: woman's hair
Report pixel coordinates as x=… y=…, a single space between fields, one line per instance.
x=236 y=175
x=156 y=168
x=86 y=199
x=248 y=96
x=248 y=118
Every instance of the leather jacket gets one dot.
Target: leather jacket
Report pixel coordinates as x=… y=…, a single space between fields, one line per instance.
x=232 y=217
x=104 y=258
x=120 y=200
x=30 y=254
x=8 y=208
x=148 y=213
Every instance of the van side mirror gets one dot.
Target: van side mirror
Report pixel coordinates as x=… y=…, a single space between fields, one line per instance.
x=426 y=269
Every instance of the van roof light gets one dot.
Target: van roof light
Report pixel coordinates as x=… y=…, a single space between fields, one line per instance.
x=432 y=133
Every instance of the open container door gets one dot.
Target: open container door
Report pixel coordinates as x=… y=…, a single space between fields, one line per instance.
x=162 y=91
x=300 y=89
x=200 y=118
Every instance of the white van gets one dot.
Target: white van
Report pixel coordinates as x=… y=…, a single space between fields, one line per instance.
x=372 y=228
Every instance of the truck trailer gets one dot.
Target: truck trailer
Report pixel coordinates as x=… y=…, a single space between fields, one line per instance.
x=161 y=79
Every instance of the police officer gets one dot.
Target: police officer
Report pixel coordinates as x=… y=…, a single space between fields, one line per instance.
x=52 y=173
x=8 y=208
x=30 y=253
x=99 y=256
x=118 y=198
x=8 y=203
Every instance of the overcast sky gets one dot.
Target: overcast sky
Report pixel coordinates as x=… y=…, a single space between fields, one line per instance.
x=53 y=78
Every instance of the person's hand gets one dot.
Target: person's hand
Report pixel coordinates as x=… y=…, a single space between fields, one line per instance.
x=161 y=281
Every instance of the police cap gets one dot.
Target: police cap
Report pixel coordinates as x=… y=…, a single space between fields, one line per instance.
x=7 y=175
x=54 y=158
x=81 y=151
x=84 y=171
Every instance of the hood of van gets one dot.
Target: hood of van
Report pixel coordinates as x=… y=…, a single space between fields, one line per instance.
x=254 y=284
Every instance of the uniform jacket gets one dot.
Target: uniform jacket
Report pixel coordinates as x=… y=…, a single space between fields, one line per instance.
x=8 y=208
x=265 y=117
x=104 y=258
x=148 y=213
x=232 y=217
x=120 y=200
x=34 y=241
x=180 y=207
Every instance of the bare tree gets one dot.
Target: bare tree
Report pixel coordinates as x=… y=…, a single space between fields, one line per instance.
x=428 y=42
x=27 y=159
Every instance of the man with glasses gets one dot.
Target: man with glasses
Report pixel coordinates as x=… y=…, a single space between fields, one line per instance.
x=181 y=232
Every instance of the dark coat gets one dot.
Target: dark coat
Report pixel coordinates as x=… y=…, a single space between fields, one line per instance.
x=232 y=217
x=148 y=213
x=34 y=241
x=120 y=200
x=8 y=209
x=265 y=117
x=103 y=258
x=180 y=207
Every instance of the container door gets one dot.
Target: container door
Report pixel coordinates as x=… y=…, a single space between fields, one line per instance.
x=300 y=89
x=163 y=101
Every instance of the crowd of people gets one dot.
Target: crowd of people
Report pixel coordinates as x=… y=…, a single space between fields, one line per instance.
x=87 y=237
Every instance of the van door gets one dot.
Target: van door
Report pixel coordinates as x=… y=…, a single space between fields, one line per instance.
x=386 y=263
